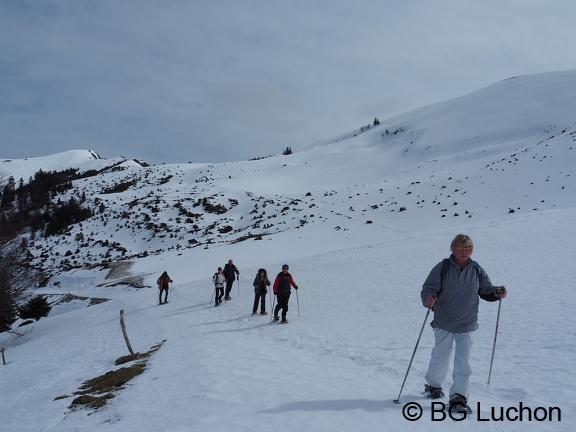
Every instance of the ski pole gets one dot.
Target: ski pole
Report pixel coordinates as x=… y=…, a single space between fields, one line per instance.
x=494 y=345
x=271 y=300
x=397 y=401
x=298 y=302
x=238 y=285
x=273 y=313
x=170 y=286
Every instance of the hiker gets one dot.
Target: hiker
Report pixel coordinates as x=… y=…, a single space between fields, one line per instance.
x=230 y=272
x=218 y=280
x=452 y=290
x=261 y=281
x=282 y=291
x=163 y=285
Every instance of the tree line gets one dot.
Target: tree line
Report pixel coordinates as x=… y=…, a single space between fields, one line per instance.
x=28 y=208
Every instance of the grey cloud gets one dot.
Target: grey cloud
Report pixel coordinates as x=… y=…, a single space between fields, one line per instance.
x=224 y=80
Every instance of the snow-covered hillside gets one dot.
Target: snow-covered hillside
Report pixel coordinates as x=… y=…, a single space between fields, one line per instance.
x=361 y=220
x=501 y=150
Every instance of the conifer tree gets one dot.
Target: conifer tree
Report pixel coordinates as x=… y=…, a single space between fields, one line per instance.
x=36 y=308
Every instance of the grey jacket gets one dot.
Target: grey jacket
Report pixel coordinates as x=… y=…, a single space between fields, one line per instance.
x=260 y=285
x=456 y=308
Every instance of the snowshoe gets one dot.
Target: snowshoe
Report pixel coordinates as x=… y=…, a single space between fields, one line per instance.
x=459 y=407
x=433 y=392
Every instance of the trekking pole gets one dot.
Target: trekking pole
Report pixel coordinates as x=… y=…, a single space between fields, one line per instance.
x=271 y=301
x=238 y=285
x=171 y=286
x=213 y=292
x=494 y=345
x=272 y=314
x=298 y=302
x=397 y=401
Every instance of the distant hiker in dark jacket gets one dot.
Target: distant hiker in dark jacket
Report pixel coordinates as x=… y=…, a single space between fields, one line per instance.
x=218 y=280
x=282 y=291
x=454 y=297
x=261 y=282
x=163 y=285
x=230 y=272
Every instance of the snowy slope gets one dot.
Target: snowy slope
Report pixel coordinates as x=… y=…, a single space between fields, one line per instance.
x=456 y=160
x=501 y=170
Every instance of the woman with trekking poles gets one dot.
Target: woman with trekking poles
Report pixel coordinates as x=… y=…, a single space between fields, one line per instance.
x=281 y=287
x=218 y=280
x=452 y=290
x=261 y=284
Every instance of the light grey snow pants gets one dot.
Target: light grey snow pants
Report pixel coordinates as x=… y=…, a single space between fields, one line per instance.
x=440 y=361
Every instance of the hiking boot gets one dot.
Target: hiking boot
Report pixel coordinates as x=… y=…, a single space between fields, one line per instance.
x=254 y=313
x=276 y=318
x=264 y=313
x=284 y=321
x=433 y=392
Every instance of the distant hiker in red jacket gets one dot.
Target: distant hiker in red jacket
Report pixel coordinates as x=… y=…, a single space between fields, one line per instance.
x=163 y=285
x=282 y=291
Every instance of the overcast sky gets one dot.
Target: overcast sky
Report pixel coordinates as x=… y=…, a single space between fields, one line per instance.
x=223 y=80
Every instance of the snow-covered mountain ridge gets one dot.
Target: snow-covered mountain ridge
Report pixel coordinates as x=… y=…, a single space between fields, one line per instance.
x=81 y=160
x=361 y=221
x=433 y=167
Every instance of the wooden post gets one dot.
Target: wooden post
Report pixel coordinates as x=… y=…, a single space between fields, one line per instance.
x=3 y=358
x=124 y=332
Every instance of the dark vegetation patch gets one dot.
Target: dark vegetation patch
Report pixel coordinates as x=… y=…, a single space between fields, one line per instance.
x=120 y=187
x=96 y=392
x=70 y=297
x=248 y=237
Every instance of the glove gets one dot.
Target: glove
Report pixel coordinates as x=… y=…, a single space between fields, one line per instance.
x=296 y=288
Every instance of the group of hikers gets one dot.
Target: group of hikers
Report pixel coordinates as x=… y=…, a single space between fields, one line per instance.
x=282 y=288
x=226 y=276
x=452 y=290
